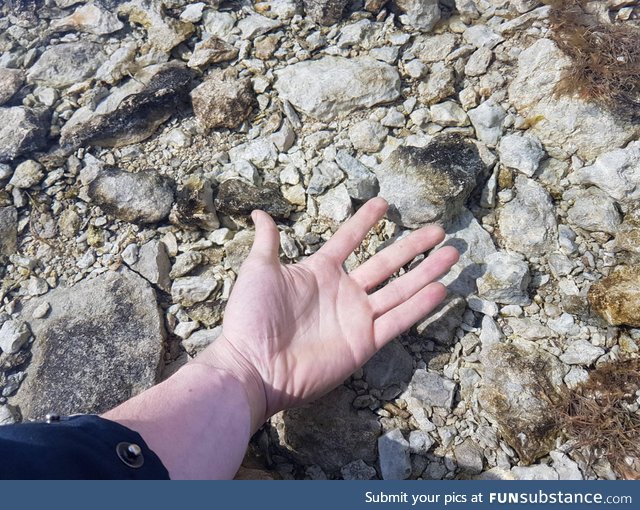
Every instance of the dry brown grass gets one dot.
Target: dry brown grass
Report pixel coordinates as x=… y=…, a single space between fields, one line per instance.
x=598 y=419
x=606 y=57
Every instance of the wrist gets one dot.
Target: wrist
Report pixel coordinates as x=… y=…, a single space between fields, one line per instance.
x=223 y=356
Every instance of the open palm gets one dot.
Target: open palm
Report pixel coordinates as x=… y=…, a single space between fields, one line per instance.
x=301 y=329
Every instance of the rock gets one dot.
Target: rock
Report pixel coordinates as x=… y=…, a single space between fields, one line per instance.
x=527 y=223
x=27 y=174
x=522 y=153
x=420 y=442
x=330 y=432
x=393 y=451
x=481 y=36
x=212 y=50
x=428 y=184
x=11 y=81
x=538 y=472
x=564 y=125
x=220 y=102
x=628 y=236
x=474 y=245
x=324 y=176
x=133 y=115
x=13 y=335
x=521 y=387
x=566 y=468
x=238 y=249
x=255 y=25
x=7 y=415
x=194 y=205
x=431 y=389
x=201 y=339
x=440 y=325
x=593 y=210
x=66 y=64
x=616 y=172
x=478 y=62
x=391 y=366
x=420 y=14
x=357 y=470
x=89 y=18
x=285 y=137
x=8 y=231
x=260 y=152
x=193 y=12
x=163 y=32
x=505 y=280
x=581 y=352
x=189 y=290
x=434 y=48
x=22 y=130
x=153 y=264
x=616 y=298
x=368 y=135
x=469 y=457
x=438 y=85
x=332 y=87
x=487 y=121
x=490 y=332
x=335 y=204
x=236 y=197
x=362 y=183
x=325 y=12
x=144 y=197
x=564 y=324
x=185 y=263
x=101 y=343
x=448 y=114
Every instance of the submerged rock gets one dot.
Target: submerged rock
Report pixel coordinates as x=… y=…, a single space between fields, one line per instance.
x=100 y=344
x=522 y=386
x=237 y=197
x=142 y=197
x=133 y=118
x=66 y=64
x=223 y=101
x=427 y=184
x=616 y=298
x=333 y=87
x=22 y=130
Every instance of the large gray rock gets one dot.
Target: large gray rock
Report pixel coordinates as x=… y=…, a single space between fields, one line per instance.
x=431 y=389
x=22 y=130
x=564 y=125
x=100 y=344
x=329 y=432
x=333 y=87
x=8 y=231
x=222 y=102
x=395 y=458
x=616 y=172
x=522 y=153
x=65 y=64
x=141 y=197
x=528 y=223
x=428 y=184
x=390 y=366
x=593 y=210
x=133 y=112
x=521 y=387
x=505 y=280
x=325 y=12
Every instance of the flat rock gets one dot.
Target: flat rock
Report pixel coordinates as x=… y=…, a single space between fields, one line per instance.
x=8 y=231
x=521 y=386
x=221 y=102
x=428 y=184
x=11 y=80
x=66 y=64
x=135 y=113
x=528 y=223
x=22 y=130
x=431 y=389
x=616 y=298
x=100 y=344
x=564 y=125
x=332 y=87
x=142 y=197
x=237 y=197
x=325 y=12
x=330 y=432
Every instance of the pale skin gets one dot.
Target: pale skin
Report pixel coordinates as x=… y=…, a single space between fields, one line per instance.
x=291 y=333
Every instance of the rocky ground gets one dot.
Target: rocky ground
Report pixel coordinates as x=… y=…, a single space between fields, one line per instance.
x=136 y=137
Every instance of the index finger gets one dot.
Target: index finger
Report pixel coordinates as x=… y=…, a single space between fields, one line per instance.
x=351 y=234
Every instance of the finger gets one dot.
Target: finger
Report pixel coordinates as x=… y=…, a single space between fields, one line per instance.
x=401 y=289
x=402 y=317
x=382 y=265
x=267 y=240
x=350 y=235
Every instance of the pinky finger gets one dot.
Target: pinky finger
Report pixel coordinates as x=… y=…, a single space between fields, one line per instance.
x=402 y=317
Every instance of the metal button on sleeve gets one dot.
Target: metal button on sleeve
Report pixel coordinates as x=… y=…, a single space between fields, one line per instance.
x=130 y=454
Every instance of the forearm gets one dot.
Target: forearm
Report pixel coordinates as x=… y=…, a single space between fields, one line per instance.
x=199 y=422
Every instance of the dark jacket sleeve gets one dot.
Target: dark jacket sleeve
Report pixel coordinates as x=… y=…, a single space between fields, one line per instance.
x=77 y=448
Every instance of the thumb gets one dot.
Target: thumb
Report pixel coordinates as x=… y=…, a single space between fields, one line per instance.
x=266 y=243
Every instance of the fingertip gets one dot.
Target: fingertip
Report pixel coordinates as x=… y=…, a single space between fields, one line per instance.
x=452 y=253
x=379 y=203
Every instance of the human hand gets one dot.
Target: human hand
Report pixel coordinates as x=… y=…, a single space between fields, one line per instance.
x=293 y=332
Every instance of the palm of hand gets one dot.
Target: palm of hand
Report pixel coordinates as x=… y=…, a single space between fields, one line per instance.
x=304 y=328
